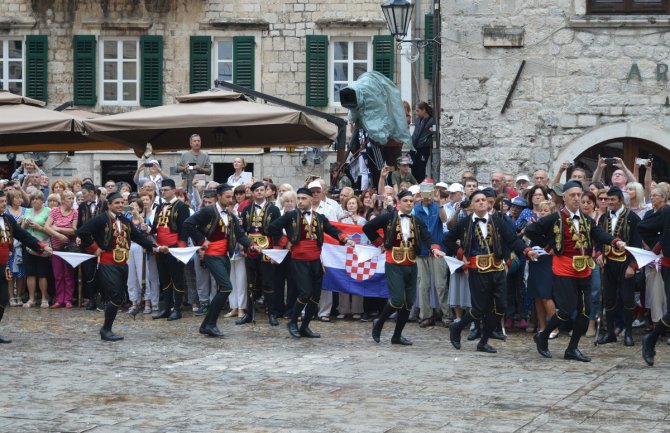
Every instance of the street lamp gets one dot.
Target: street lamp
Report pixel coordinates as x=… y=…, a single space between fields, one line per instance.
x=398 y=15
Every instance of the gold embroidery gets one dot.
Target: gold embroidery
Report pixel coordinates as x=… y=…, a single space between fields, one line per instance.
x=121 y=244
x=406 y=250
x=164 y=217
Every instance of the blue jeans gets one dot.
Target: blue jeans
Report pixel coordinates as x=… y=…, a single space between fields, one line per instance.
x=595 y=293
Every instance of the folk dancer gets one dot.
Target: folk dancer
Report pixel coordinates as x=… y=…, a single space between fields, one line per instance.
x=108 y=236
x=404 y=236
x=304 y=238
x=260 y=271
x=569 y=237
x=485 y=242
x=217 y=231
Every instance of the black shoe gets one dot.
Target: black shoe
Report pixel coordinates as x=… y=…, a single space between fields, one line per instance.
x=628 y=340
x=109 y=335
x=175 y=315
x=542 y=345
x=306 y=332
x=498 y=335
x=365 y=317
x=648 y=351
x=401 y=340
x=211 y=330
x=576 y=355
x=272 y=318
x=455 y=335
x=293 y=329
x=90 y=306
x=475 y=334
x=487 y=348
x=101 y=307
x=244 y=319
x=376 y=330
x=4 y=340
x=163 y=314
x=607 y=338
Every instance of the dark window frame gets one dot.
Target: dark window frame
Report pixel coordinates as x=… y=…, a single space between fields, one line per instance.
x=633 y=7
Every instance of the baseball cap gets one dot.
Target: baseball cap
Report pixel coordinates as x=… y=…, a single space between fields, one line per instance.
x=414 y=189
x=314 y=184
x=456 y=187
x=442 y=185
x=522 y=177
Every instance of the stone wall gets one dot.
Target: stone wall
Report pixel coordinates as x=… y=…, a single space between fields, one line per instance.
x=574 y=81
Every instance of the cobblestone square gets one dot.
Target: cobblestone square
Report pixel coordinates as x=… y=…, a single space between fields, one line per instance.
x=165 y=377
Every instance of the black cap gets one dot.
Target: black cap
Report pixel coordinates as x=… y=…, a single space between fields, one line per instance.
x=169 y=183
x=479 y=191
x=404 y=193
x=305 y=191
x=572 y=184
x=114 y=196
x=88 y=185
x=223 y=188
x=488 y=192
x=257 y=185
x=615 y=191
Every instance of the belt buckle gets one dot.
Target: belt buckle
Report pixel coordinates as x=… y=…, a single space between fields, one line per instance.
x=398 y=254
x=579 y=263
x=120 y=255
x=484 y=261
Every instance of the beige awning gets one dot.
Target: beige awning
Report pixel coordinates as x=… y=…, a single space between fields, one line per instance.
x=222 y=119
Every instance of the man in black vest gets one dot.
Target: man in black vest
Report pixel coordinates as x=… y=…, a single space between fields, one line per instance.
x=304 y=237
x=167 y=226
x=91 y=207
x=619 y=265
x=108 y=236
x=260 y=271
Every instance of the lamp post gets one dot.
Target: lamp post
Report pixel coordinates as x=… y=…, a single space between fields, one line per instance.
x=398 y=15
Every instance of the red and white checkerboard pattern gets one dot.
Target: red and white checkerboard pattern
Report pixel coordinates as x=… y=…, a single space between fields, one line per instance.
x=359 y=271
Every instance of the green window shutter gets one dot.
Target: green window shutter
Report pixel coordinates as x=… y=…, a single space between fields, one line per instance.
x=317 y=70
x=243 y=61
x=37 y=50
x=84 y=70
x=151 y=49
x=383 y=57
x=201 y=64
x=429 y=31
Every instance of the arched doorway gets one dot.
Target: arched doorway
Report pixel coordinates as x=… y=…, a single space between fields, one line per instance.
x=625 y=140
x=629 y=150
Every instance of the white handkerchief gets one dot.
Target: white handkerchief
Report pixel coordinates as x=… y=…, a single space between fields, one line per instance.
x=366 y=253
x=453 y=263
x=642 y=257
x=541 y=251
x=73 y=259
x=276 y=255
x=183 y=254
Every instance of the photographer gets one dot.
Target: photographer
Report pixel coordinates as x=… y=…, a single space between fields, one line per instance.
x=27 y=167
x=577 y=173
x=155 y=174
x=621 y=175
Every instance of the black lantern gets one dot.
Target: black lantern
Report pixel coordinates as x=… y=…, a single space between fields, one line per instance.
x=398 y=14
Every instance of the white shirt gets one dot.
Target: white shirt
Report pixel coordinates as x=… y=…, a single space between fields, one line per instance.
x=327 y=210
x=245 y=177
x=482 y=225
x=405 y=226
x=258 y=210
x=308 y=216
x=574 y=221
x=615 y=217
x=223 y=214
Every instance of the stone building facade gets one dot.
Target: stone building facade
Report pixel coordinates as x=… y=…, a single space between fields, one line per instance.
x=594 y=81
x=111 y=56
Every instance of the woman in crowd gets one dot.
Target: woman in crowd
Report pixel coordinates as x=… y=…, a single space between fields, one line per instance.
x=637 y=201
x=594 y=187
x=136 y=256
x=152 y=171
x=422 y=140
x=601 y=204
x=58 y=187
x=271 y=192
x=655 y=299
x=238 y=271
x=152 y=292
x=540 y=277
x=16 y=210
x=75 y=185
x=239 y=177
x=61 y=225
x=284 y=187
x=588 y=208
x=287 y=202
x=38 y=267
x=351 y=304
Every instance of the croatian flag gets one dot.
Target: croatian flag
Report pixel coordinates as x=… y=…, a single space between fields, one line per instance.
x=343 y=273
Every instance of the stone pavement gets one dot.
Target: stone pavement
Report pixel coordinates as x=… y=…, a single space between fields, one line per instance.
x=165 y=377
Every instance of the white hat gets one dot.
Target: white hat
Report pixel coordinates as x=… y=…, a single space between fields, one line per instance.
x=314 y=184
x=414 y=189
x=442 y=185
x=456 y=187
x=522 y=177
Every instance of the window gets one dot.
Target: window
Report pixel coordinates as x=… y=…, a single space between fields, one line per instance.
x=120 y=63
x=349 y=60
x=628 y=6
x=224 y=61
x=12 y=66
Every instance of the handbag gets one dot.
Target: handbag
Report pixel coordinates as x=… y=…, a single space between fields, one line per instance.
x=70 y=247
